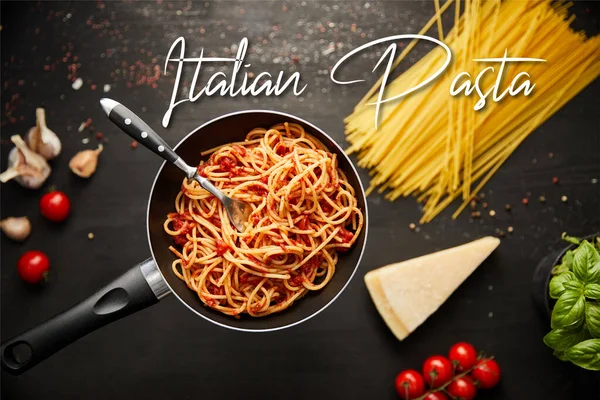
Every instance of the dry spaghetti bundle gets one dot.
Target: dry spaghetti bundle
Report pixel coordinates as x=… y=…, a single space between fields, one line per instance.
x=437 y=147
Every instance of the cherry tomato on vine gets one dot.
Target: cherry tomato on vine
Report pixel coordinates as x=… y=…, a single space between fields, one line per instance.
x=55 y=206
x=410 y=384
x=436 y=396
x=33 y=266
x=462 y=388
x=463 y=356
x=437 y=370
x=487 y=373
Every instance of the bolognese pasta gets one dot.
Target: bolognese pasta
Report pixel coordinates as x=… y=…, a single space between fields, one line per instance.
x=304 y=214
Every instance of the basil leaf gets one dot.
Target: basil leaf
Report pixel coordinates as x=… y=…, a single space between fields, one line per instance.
x=560 y=355
x=584 y=261
x=574 y=285
x=594 y=273
x=557 y=284
x=592 y=291
x=585 y=354
x=568 y=258
x=570 y=239
x=563 y=338
x=592 y=319
x=569 y=310
x=560 y=269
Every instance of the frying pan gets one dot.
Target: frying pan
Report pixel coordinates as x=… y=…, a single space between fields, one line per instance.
x=146 y=283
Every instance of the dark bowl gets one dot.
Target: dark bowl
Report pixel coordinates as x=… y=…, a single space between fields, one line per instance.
x=542 y=276
x=226 y=129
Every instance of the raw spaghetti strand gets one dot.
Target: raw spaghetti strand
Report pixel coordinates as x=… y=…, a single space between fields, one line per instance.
x=304 y=213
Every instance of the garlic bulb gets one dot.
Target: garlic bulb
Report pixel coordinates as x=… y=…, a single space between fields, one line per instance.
x=41 y=139
x=26 y=167
x=16 y=228
x=84 y=163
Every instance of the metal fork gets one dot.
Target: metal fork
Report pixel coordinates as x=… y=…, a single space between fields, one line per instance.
x=134 y=126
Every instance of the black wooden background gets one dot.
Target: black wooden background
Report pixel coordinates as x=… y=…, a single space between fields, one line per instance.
x=345 y=352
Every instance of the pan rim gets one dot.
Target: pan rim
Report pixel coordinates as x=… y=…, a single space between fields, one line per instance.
x=362 y=192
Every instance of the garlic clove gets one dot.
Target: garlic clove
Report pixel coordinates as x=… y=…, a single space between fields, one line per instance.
x=84 y=163
x=26 y=167
x=31 y=158
x=16 y=228
x=41 y=139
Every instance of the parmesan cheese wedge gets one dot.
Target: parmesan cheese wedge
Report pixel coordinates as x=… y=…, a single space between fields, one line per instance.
x=407 y=293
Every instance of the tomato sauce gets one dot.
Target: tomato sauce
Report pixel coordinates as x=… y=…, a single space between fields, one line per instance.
x=325 y=206
x=216 y=221
x=180 y=240
x=249 y=278
x=222 y=247
x=281 y=150
x=252 y=258
x=345 y=235
x=180 y=223
x=241 y=151
x=235 y=171
x=201 y=169
x=304 y=223
x=296 y=280
x=311 y=265
x=227 y=163
x=211 y=303
x=260 y=191
x=217 y=291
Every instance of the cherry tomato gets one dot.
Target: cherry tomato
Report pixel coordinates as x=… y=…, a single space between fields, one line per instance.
x=33 y=266
x=437 y=370
x=463 y=356
x=410 y=384
x=436 y=396
x=462 y=388
x=55 y=206
x=487 y=374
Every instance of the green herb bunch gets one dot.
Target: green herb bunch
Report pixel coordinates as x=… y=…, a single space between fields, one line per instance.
x=575 y=322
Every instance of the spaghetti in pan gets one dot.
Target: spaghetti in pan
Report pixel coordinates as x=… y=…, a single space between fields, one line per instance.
x=304 y=214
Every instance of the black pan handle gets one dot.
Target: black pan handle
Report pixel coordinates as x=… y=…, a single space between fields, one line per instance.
x=135 y=127
x=135 y=290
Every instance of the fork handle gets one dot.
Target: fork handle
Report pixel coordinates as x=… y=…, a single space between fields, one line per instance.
x=135 y=127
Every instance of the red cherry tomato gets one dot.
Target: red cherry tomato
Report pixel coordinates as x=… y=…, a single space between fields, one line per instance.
x=436 y=396
x=33 y=266
x=487 y=374
x=463 y=356
x=437 y=370
x=410 y=384
x=55 y=206
x=462 y=388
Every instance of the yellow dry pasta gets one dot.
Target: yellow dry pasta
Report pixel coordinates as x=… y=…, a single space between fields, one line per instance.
x=437 y=147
